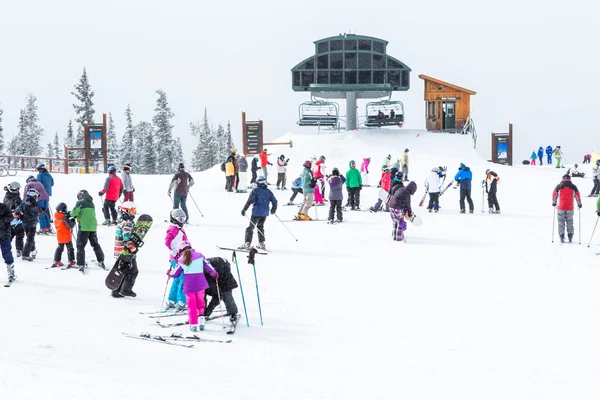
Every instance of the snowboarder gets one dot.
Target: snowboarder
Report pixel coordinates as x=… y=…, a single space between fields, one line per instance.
x=241 y=183
x=264 y=161
x=281 y=170
x=558 y=155
x=28 y=212
x=336 y=195
x=596 y=176
x=128 y=188
x=85 y=213
x=45 y=179
x=308 y=185
x=364 y=170
x=12 y=199
x=549 y=154
x=533 y=158
x=354 y=185
x=405 y=165
x=296 y=188
x=254 y=168
x=181 y=182
x=386 y=184
x=33 y=183
x=463 y=178
x=540 y=155
x=113 y=188
x=260 y=197
x=491 y=188
x=226 y=284
x=432 y=185
x=63 y=225
x=399 y=207
x=6 y=239
x=562 y=199
x=192 y=265
x=575 y=173
x=125 y=245
x=176 y=235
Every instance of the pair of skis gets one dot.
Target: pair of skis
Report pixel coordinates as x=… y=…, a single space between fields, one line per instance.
x=230 y=329
x=427 y=191
x=173 y=339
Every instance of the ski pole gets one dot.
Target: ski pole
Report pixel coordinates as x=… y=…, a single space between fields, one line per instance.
x=219 y=297
x=163 y=299
x=482 y=195
x=579 y=225
x=553 y=219
x=288 y=229
x=594 y=231
x=253 y=251
x=192 y=197
x=234 y=258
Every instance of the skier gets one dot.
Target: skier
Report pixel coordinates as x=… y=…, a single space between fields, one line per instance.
x=562 y=198
x=491 y=188
x=364 y=170
x=33 y=183
x=575 y=173
x=12 y=199
x=229 y=173
x=308 y=185
x=85 y=213
x=432 y=185
x=236 y=170
x=241 y=183
x=596 y=176
x=587 y=158
x=386 y=184
x=549 y=154
x=28 y=212
x=281 y=169
x=113 y=188
x=45 y=179
x=264 y=161
x=558 y=155
x=192 y=265
x=354 y=185
x=318 y=171
x=6 y=239
x=176 y=235
x=405 y=165
x=253 y=168
x=296 y=188
x=387 y=162
x=399 y=207
x=64 y=236
x=395 y=185
x=226 y=283
x=181 y=182
x=260 y=197
x=128 y=188
x=125 y=245
x=540 y=155
x=533 y=157
x=336 y=186
x=463 y=178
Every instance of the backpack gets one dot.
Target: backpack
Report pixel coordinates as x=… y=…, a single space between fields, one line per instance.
x=223 y=167
x=313 y=183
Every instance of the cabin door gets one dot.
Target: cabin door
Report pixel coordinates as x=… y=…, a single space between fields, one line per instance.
x=449 y=116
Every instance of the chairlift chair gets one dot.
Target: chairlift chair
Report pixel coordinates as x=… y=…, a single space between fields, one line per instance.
x=386 y=117
x=318 y=113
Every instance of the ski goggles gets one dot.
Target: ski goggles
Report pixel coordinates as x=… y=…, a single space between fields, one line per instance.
x=180 y=219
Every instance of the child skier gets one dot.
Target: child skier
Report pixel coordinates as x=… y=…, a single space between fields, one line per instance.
x=432 y=185
x=281 y=170
x=261 y=197
x=5 y=240
x=399 y=207
x=113 y=188
x=318 y=172
x=28 y=212
x=354 y=185
x=226 y=284
x=12 y=199
x=85 y=213
x=33 y=183
x=491 y=188
x=336 y=195
x=364 y=170
x=176 y=235
x=64 y=236
x=296 y=188
x=563 y=196
x=124 y=245
x=386 y=183
x=192 y=265
x=533 y=158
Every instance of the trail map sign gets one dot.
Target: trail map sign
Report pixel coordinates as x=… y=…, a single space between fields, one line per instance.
x=252 y=135
x=502 y=147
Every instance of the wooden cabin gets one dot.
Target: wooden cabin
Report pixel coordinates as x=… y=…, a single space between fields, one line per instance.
x=447 y=105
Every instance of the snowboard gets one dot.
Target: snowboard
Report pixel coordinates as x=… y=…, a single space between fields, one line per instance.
x=415 y=220
x=383 y=195
x=117 y=273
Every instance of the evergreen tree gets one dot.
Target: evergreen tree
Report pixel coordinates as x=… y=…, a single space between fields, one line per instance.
x=34 y=133
x=112 y=146
x=223 y=145
x=229 y=139
x=1 y=133
x=56 y=146
x=145 y=150
x=165 y=159
x=126 y=151
x=49 y=150
x=84 y=95
x=178 y=151
x=69 y=140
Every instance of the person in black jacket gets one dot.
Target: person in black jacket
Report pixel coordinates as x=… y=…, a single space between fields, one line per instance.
x=399 y=206
x=28 y=212
x=12 y=199
x=6 y=239
x=254 y=167
x=226 y=283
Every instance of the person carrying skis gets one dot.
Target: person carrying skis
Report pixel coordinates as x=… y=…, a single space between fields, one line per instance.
x=33 y=183
x=85 y=213
x=192 y=266
x=296 y=188
x=491 y=188
x=226 y=283
x=63 y=225
x=113 y=188
x=596 y=176
x=364 y=170
x=354 y=185
x=264 y=161
x=386 y=184
x=176 y=235
x=308 y=185
x=533 y=158
x=181 y=182
x=336 y=195
x=540 y=155
x=562 y=199
x=254 y=168
x=241 y=183
x=6 y=217
x=432 y=186
x=260 y=197
x=128 y=188
x=28 y=212
x=12 y=199
x=45 y=179
x=281 y=169
x=463 y=178
x=405 y=165
x=549 y=154
x=399 y=207
x=558 y=155
x=124 y=245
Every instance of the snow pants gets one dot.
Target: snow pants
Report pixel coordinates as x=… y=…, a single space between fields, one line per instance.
x=335 y=206
x=281 y=179
x=265 y=173
x=294 y=194
x=59 y=250
x=405 y=172
x=130 y=275
x=19 y=232
x=565 y=217
x=242 y=181
x=29 y=241
x=493 y=201
x=378 y=205
x=354 y=197
x=434 y=201
x=317 y=193
x=466 y=194
x=399 y=225
x=6 y=248
x=259 y=222
x=176 y=294
x=227 y=298
x=195 y=301
x=237 y=180
x=365 y=178
x=180 y=202
x=549 y=159
x=307 y=203
x=532 y=162
x=127 y=196
x=82 y=239
x=558 y=159
x=44 y=216
x=109 y=210
x=253 y=180
x=229 y=183
x=596 y=188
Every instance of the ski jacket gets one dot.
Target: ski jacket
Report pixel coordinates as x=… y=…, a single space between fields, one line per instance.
x=229 y=168
x=549 y=150
x=433 y=182
x=261 y=197
x=386 y=181
x=123 y=235
x=557 y=153
x=306 y=180
x=533 y=156
x=297 y=183
x=35 y=184
x=63 y=229
x=6 y=217
x=46 y=179
x=12 y=200
x=182 y=182
x=405 y=159
x=318 y=169
x=28 y=212
x=226 y=279
x=396 y=184
x=353 y=178
x=563 y=195
x=491 y=182
x=254 y=166
x=281 y=166
x=85 y=212
x=595 y=171
x=336 y=186
x=464 y=177
x=364 y=166
x=242 y=165
x=175 y=234
x=127 y=183
x=113 y=187
x=540 y=152
x=401 y=199
x=194 y=280
x=264 y=159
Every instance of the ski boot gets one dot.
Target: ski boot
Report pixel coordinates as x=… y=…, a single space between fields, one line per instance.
x=245 y=246
x=27 y=258
x=373 y=209
x=180 y=306
x=116 y=294
x=114 y=222
x=72 y=264
x=470 y=211
x=57 y=264
x=330 y=221
x=497 y=211
x=169 y=306
x=10 y=268
x=462 y=211
x=106 y=222
x=101 y=265
x=290 y=203
x=201 y=322
x=128 y=293
x=233 y=318
x=33 y=254
x=340 y=220
x=194 y=328
x=570 y=238
x=261 y=246
x=19 y=253
x=562 y=238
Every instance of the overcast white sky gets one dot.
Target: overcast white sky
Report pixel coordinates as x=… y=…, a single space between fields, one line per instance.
x=532 y=63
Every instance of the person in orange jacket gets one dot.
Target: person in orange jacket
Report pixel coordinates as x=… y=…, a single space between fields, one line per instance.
x=63 y=226
x=264 y=161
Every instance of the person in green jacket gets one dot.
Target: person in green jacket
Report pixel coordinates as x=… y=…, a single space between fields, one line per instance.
x=353 y=186
x=85 y=213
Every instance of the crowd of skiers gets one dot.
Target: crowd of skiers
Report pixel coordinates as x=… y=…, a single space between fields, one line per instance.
x=550 y=152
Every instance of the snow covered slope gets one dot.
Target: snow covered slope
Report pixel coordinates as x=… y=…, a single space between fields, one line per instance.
x=471 y=307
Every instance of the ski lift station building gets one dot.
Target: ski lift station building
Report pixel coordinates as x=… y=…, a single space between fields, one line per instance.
x=350 y=67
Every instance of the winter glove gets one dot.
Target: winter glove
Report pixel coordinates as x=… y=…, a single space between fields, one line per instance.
x=244 y=212
x=598 y=212
x=553 y=204
x=270 y=164
x=273 y=210
x=169 y=272
x=216 y=275
x=124 y=191
x=579 y=206
x=100 y=193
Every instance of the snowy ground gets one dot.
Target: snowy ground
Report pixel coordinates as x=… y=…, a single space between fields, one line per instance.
x=471 y=307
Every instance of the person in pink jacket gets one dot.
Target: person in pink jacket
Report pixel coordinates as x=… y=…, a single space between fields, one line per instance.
x=364 y=170
x=176 y=235
x=318 y=170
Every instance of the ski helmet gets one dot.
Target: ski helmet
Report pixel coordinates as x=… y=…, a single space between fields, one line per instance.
x=335 y=171
x=127 y=167
x=398 y=175
x=112 y=169
x=61 y=208
x=567 y=177
x=29 y=178
x=261 y=181
x=13 y=187
x=487 y=171
x=178 y=216
x=181 y=166
x=40 y=166
x=128 y=210
x=33 y=193
x=81 y=194
x=233 y=151
x=184 y=244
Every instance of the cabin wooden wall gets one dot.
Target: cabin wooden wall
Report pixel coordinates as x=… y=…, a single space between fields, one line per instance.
x=462 y=106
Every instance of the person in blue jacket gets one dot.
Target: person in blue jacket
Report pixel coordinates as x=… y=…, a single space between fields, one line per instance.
x=549 y=154
x=261 y=197
x=541 y=155
x=296 y=188
x=45 y=179
x=463 y=178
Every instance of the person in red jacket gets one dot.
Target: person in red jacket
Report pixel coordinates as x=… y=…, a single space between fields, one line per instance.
x=562 y=199
x=264 y=161
x=113 y=188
